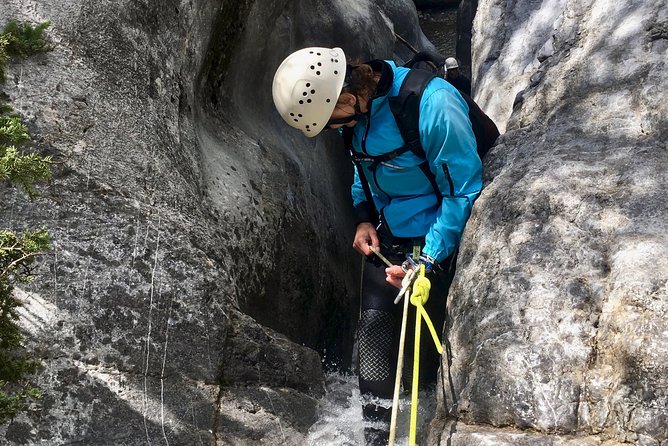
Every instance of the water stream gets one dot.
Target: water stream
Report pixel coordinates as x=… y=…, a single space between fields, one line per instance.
x=340 y=418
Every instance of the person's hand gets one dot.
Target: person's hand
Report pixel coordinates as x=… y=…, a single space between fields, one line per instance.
x=395 y=275
x=365 y=236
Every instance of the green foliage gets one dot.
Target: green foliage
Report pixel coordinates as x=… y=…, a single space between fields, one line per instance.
x=24 y=169
x=17 y=253
x=6 y=109
x=12 y=130
x=12 y=400
x=4 y=56
x=21 y=40
x=25 y=39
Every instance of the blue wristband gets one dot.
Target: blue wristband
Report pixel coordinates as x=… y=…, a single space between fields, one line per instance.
x=429 y=262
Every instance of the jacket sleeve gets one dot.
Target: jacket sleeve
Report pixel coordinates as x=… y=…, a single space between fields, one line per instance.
x=448 y=140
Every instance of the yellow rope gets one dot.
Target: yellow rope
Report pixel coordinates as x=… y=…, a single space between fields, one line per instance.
x=400 y=366
x=432 y=330
x=416 y=379
x=418 y=298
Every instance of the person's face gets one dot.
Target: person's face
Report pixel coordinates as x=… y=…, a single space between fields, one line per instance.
x=345 y=108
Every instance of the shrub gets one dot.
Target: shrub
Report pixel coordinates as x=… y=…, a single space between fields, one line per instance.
x=23 y=168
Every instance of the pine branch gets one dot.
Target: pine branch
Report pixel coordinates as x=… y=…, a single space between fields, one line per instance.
x=5 y=273
x=17 y=253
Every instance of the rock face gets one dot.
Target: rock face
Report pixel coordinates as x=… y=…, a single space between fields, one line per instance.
x=201 y=248
x=465 y=16
x=558 y=320
x=436 y=3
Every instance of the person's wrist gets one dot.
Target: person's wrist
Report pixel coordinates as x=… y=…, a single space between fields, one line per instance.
x=430 y=264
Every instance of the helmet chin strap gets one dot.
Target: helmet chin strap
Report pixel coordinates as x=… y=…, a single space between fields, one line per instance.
x=348 y=119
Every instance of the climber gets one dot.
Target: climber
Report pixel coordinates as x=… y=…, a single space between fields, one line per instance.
x=414 y=204
x=457 y=79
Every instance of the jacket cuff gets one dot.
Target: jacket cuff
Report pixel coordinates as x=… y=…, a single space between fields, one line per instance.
x=363 y=214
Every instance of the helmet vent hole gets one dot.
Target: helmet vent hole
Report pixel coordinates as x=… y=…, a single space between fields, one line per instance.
x=308 y=84
x=328 y=100
x=296 y=120
x=336 y=72
x=300 y=115
x=336 y=60
x=318 y=54
x=315 y=124
x=313 y=67
x=304 y=93
x=319 y=64
x=317 y=73
x=308 y=100
x=301 y=102
x=292 y=114
x=312 y=91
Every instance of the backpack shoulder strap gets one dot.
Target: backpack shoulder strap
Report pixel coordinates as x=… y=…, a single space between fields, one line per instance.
x=347 y=134
x=432 y=60
x=406 y=110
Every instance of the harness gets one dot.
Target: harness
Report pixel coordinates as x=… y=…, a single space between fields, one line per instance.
x=405 y=108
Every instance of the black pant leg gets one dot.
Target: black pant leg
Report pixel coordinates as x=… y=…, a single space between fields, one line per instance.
x=378 y=335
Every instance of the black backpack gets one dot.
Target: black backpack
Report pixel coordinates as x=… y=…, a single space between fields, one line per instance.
x=406 y=105
x=406 y=110
x=484 y=129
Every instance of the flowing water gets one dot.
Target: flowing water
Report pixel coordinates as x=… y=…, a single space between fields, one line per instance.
x=340 y=418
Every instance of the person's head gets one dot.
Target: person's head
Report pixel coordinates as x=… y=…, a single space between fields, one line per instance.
x=451 y=67
x=314 y=88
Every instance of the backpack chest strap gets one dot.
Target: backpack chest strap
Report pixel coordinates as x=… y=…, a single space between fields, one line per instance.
x=405 y=108
x=378 y=159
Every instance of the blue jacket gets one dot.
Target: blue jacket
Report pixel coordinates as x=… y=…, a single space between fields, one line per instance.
x=401 y=192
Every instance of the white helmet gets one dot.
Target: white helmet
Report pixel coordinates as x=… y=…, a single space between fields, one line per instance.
x=451 y=63
x=306 y=87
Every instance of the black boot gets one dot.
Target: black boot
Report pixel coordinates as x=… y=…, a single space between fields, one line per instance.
x=376 y=424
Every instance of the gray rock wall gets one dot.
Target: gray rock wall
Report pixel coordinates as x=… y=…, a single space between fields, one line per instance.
x=165 y=224
x=201 y=249
x=465 y=16
x=199 y=242
x=558 y=317
x=436 y=3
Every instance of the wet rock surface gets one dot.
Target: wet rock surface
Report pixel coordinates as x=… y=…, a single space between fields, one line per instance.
x=558 y=314
x=436 y=3
x=201 y=249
